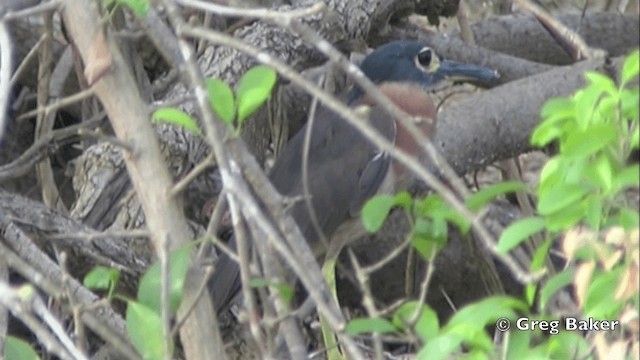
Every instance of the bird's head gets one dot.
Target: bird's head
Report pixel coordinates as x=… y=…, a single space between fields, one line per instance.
x=416 y=63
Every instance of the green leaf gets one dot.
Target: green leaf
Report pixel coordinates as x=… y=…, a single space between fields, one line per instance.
x=629 y=177
x=518 y=344
x=369 y=325
x=429 y=236
x=426 y=247
x=375 y=212
x=631 y=67
x=628 y=219
x=145 y=330
x=426 y=325
x=537 y=262
x=139 y=7
x=221 y=99
x=470 y=321
x=566 y=218
x=285 y=291
x=519 y=231
x=556 y=110
x=458 y=220
x=551 y=175
x=568 y=345
x=585 y=100
x=476 y=354
x=594 y=214
x=634 y=142
x=253 y=90
x=602 y=82
x=101 y=278
x=403 y=199
x=485 y=312
x=479 y=199
x=607 y=108
x=430 y=206
x=151 y=284
x=545 y=133
x=560 y=197
x=555 y=283
x=587 y=142
x=600 y=171
x=440 y=347
x=530 y=291
x=176 y=117
x=599 y=302
x=574 y=171
x=629 y=99
x=17 y=349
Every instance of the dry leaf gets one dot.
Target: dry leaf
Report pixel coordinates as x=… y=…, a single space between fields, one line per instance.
x=608 y=262
x=628 y=283
x=602 y=348
x=634 y=237
x=582 y=280
x=573 y=240
x=615 y=236
x=630 y=319
x=617 y=350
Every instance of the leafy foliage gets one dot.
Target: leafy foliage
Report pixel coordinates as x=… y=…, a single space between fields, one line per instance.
x=16 y=349
x=254 y=89
x=139 y=7
x=145 y=330
x=177 y=117
x=144 y=322
x=582 y=199
x=102 y=277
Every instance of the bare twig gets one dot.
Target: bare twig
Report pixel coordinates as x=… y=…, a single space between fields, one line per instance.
x=34 y=10
x=39 y=269
x=244 y=258
x=25 y=304
x=6 y=61
x=570 y=40
x=367 y=300
x=45 y=146
x=66 y=101
x=263 y=14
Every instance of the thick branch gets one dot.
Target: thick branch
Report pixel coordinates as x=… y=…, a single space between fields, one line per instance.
x=118 y=92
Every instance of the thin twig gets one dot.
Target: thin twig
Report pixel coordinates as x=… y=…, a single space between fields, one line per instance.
x=570 y=40
x=6 y=61
x=263 y=14
x=66 y=101
x=367 y=300
x=311 y=119
x=46 y=146
x=34 y=10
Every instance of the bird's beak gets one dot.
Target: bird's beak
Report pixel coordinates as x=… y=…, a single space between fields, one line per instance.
x=455 y=71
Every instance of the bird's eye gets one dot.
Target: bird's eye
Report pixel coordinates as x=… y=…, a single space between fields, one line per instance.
x=425 y=56
x=427 y=60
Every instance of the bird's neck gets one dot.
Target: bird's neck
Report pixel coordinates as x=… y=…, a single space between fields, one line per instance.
x=412 y=100
x=416 y=103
